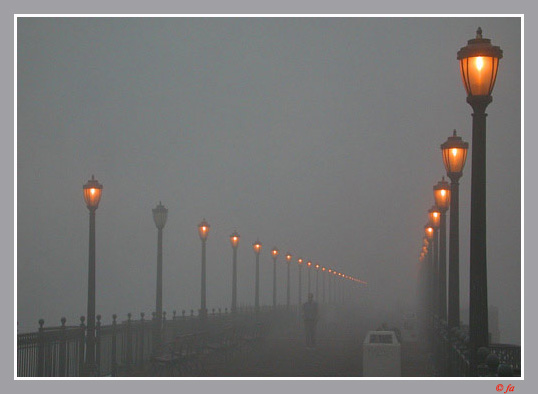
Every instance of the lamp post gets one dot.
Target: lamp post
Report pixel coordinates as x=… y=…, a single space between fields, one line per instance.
x=430 y=234
x=323 y=285
x=300 y=298
x=257 y=246
x=479 y=62
x=430 y=284
x=203 y=231
x=454 y=155
x=308 y=265
x=274 y=254
x=317 y=281
x=92 y=191
x=330 y=271
x=441 y=194
x=234 y=240
x=160 y=214
x=288 y=261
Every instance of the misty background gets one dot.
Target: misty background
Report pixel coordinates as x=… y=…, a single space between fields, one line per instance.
x=320 y=136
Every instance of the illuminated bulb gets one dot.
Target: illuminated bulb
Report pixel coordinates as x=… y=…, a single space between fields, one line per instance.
x=479 y=63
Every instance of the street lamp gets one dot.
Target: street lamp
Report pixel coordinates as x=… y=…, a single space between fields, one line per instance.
x=234 y=240
x=203 y=231
x=330 y=298
x=300 y=263
x=160 y=214
x=92 y=191
x=288 y=261
x=257 y=246
x=274 y=254
x=479 y=62
x=323 y=285
x=317 y=281
x=430 y=236
x=441 y=193
x=308 y=265
x=454 y=155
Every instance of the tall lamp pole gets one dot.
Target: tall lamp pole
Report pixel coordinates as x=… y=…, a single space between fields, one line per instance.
x=288 y=261
x=234 y=240
x=441 y=194
x=323 y=284
x=160 y=214
x=257 y=246
x=479 y=61
x=274 y=254
x=92 y=191
x=300 y=297
x=308 y=265
x=330 y=271
x=317 y=282
x=454 y=155
x=203 y=231
x=430 y=234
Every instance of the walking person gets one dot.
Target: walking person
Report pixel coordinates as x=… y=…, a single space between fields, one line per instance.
x=310 y=317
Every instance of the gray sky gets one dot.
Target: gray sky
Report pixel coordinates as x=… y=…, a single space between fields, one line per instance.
x=318 y=135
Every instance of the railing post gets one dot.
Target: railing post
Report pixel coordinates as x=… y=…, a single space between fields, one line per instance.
x=140 y=352
x=129 y=343
x=61 y=359
x=41 y=349
x=114 y=364
x=81 y=346
x=98 y=344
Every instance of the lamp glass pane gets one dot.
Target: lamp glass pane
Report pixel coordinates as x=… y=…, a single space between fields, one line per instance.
x=479 y=74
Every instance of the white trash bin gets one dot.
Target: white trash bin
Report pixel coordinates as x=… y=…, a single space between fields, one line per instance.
x=381 y=354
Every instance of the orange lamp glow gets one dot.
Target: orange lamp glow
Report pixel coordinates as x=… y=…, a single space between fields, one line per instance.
x=429 y=230
x=257 y=246
x=434 y=215
x=234 y=239
x=316 y=266
x=454 y=155
x=274 y=252
x=288 y=257
x=299 y=261
x=203 y=229
x=323 y=268
x=308 y=264
x=479 y=62
x=441 y=195
x=92 y=193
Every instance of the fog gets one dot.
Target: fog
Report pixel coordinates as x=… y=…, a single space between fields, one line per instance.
x=320 y=136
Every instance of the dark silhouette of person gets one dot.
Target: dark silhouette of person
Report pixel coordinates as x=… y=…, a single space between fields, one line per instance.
x=310 y=317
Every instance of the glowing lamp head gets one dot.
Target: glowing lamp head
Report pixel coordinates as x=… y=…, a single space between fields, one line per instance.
x=330 y=271
x=203 y=229
x=454 y=155
x=479 y=62
x=257 y=246
x=160 y=213
x=92 y=193
x=323 y=269
x=234 y=239
x=288 y=257
x=434 y=215
x=308 y=264
x=441 y=195
x=429 y=231
x=299 y=261
x=274 y=252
